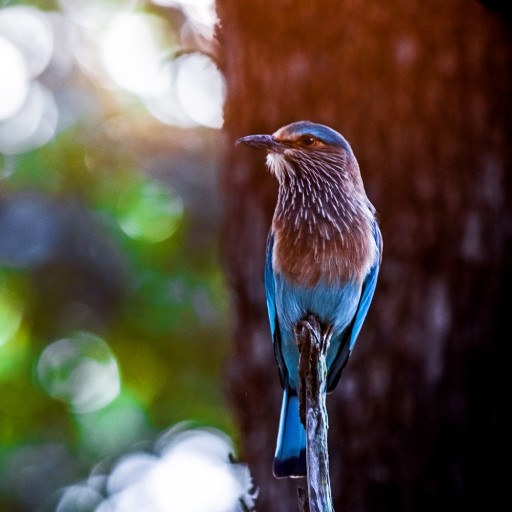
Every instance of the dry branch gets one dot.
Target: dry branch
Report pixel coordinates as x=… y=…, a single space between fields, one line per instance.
x=313 y=341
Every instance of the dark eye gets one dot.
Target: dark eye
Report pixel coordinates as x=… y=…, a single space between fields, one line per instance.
x=307 y=140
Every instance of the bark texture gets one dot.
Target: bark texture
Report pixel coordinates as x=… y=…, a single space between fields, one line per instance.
x=422 y=90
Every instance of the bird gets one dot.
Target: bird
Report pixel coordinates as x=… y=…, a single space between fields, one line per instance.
x=322 y=258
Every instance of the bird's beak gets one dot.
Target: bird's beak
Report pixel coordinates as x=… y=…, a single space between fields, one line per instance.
x=265 y=142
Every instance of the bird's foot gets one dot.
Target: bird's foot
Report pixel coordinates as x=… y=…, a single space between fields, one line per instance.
x=312 y=326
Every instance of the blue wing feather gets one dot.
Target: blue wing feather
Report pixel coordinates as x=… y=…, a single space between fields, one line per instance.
x=350 y=335
x=270 y=285
x=368 y=290
x=272 y=310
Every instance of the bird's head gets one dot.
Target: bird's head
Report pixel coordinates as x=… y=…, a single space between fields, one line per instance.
x=302 y=145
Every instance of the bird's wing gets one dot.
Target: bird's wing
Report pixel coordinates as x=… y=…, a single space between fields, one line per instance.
x=368 y=290
x=349 y=336
x=270 y=284
x=271 y=308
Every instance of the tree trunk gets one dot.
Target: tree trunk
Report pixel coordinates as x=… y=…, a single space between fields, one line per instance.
x=422 y=90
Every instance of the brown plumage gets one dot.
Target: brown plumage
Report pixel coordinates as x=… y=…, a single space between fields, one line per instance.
x=323 y=220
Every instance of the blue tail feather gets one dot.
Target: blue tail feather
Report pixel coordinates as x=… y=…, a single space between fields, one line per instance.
x=290 y=456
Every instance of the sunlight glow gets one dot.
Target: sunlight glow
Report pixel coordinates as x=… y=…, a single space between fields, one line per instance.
x=167 y=108
x=80 y=370
x=133 y=50
x=201 y=13
x=14 y=82
x=33 y=125
x=93 y=14
x=28 y=29
x=192 y=473
x=200 y=89
x=123 y=47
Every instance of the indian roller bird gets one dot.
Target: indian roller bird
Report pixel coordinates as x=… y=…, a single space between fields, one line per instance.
x=323 y=256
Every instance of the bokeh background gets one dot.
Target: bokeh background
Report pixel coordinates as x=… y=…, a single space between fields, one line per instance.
x=113 y=307
x=125 y=330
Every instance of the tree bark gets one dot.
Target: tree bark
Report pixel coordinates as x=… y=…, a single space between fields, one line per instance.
x=421 y=417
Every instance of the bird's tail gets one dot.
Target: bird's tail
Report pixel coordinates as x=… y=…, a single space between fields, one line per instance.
x=290 y=456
